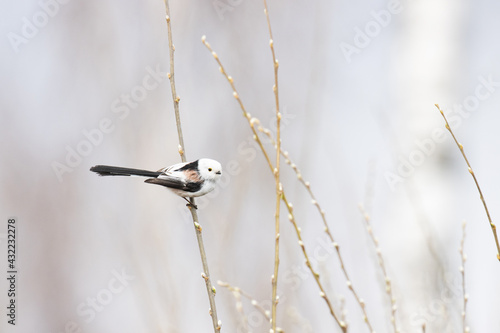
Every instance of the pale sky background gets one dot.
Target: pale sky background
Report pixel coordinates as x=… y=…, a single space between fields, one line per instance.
x=358 y=84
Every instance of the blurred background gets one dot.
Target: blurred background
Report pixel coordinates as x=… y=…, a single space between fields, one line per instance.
x=84 y=83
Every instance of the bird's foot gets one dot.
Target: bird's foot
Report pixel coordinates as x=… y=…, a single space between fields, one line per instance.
x=190 y=204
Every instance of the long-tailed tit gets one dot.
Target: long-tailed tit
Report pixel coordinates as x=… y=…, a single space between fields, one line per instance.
x=187 y=180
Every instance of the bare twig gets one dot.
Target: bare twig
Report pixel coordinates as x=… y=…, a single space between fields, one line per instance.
x=343 y=310
x=388 y=285
x=463 y=258
x=315 y=274
x=279 y=188
x=307 y=185
x=198 y=229
x=237 y=293
x=240 y=292
x=253 y=122
x=171 y=77
x=493 y=227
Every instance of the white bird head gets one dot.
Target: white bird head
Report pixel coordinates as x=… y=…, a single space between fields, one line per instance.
x=209 y=169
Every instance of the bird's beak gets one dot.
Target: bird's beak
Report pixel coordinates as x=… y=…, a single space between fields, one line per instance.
x=218 y=173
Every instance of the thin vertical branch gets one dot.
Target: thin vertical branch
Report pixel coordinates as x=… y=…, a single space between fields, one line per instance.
x=315 y=274
x=388 y=285
x=171 y=77
x=238 y=292
x=279 y=188
x=253 y=123
x=206 y=274
x=493 y=227
x=463 y=258
x=343 y=310
x=307 y=185
x=198 y=229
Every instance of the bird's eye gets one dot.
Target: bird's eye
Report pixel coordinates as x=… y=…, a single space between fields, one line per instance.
x=209 y=169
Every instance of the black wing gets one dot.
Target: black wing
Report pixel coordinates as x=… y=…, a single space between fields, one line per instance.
x=189 y=166
x=175 y=183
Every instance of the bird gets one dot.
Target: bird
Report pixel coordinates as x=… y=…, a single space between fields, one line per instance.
x=187 y=180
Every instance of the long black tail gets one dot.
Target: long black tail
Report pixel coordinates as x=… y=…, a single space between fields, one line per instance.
x=106 y=170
